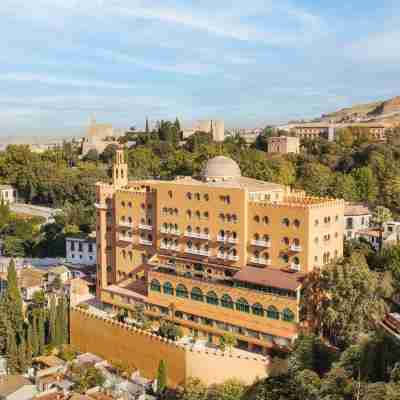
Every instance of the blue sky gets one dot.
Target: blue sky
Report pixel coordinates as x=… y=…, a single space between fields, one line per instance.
x=249 y=62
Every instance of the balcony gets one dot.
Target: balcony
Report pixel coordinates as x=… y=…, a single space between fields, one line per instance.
x=145 y=242
x=295 y=248
x=170 y=248
x=260 y=261
x=197 y=252
x=170 y=232
x=125 y=224
x=295 y=267
x=227 y=239
x=146 y=227
x=195 y=235
x=126 y=239
x=261 y=243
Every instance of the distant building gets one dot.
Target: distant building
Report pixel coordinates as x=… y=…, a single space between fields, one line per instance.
x=16 y=387
x=30 y=210
x=315 y=130
x=216 y=127
x=98 y=137
x=61 y=272
x=81 y=250
x=390 y=235
x=357 y=217
x=8 y=194
x=283 y=145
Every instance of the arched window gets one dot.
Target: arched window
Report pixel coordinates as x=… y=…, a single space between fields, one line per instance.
x=206 y=197
x=288 y=315
x=181 y=291
x=197 y=294
x=256 y=237
x=286 y=221
x=296 y=223
x=242 y=305
x=285 y=241
x=189 y=214
x=206 y=215
x=257 y=218
x=130 y=220
x=265 y=220
x=155 y=286
x=165 y=226
x=296 y=242
x=188 y=229
x=197 y=196
x=226 y=301
x=198 y=214
x=266 y=238
x=257 y=309
x=212 y=298
x=168 y=288
x=296 y=260
x=189 y=195
x=272 y=312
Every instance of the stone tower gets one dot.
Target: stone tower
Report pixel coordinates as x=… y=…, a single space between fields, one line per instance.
x=120 y=169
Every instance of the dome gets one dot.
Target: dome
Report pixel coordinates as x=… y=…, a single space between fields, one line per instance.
x=221 y=167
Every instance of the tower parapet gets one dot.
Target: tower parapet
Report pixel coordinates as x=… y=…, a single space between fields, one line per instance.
x=120 y=169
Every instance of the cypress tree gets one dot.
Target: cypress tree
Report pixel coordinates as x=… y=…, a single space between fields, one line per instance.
x=22 y=363
x=161 y=377
x=14 y=301
x=147 y=129
x=3 y=325
x=35 y=336
x=52 y=322
x=29 y=350
x=12 y=352
x=41 y=333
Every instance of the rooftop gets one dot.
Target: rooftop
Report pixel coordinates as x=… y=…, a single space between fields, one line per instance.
x=61 y=269
x=354 y=209
x=270 y=277
x=11 y=383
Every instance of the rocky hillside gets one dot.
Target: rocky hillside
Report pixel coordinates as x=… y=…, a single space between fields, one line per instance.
x=383 y=111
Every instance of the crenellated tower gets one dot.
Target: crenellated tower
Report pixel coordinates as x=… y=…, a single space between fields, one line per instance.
x=120 y=169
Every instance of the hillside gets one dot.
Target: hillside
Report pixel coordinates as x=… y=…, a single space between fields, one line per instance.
x=383 y=111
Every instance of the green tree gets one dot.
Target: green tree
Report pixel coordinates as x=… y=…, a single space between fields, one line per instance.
x=41 y=333
x=12 y=353
x=14 y=302
x=366 y=184
x=22 y=361
x=350 y=300
x=170 y=330
x=232 y=389
x=380 y=217
x=227 y=341
x=161 y=377
x=53 y=320
x=194 y=389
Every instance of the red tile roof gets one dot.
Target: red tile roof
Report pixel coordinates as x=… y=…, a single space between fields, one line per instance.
x=270 y=277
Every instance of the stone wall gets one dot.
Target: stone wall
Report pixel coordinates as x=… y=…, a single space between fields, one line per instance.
x=112 y=340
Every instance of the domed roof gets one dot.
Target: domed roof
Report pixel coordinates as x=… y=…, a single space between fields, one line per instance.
x=221 y=167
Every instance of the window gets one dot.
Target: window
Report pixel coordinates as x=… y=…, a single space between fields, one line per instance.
x=265 y=220
x=197 y=196
x=72 y=246
x=122 y=204
x=170 y=194
x=212 y=298
x=198 y=214
x=189 y=195
x=168 y=288
x=272 y=312
x=286 y=222
x=296 y=223
x=155 y=286
x=206 y=215
x=288 y=315
x=257 y=218
x=80 y=246
x=197 y=294
x=257 y=309
x=226 y=301
x=206 y=197
x=285 y=241
x=189 y=214
x=316 y=222
x=181 y=291
x=242 y=305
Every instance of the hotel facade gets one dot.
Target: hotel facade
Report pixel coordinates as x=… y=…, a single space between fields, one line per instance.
x=216 y=253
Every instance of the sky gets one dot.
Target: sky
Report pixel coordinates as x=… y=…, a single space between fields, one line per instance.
x=250 y=63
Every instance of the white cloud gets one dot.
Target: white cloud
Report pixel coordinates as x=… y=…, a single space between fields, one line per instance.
x=377 y=47
x=54 y=80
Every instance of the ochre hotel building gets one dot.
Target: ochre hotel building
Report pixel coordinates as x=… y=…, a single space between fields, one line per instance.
x=215 y=253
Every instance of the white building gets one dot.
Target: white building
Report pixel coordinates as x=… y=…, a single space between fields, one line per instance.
x=81 y=251
x=389 y=236
x=8 y=194
x=357 y=217
x=62 y=272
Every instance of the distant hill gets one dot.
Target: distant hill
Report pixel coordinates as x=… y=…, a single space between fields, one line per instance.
x=383 y=111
